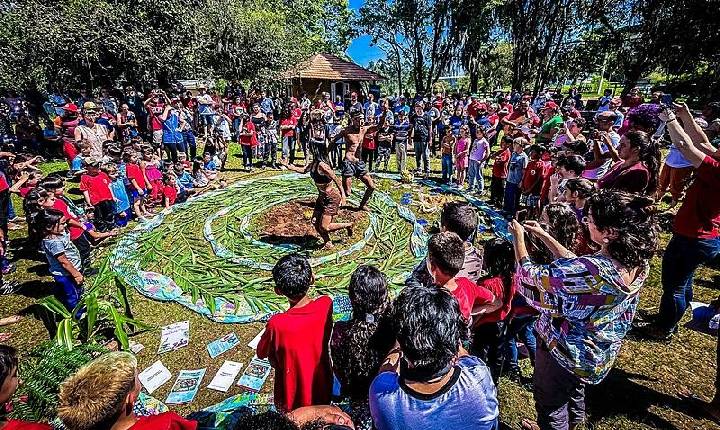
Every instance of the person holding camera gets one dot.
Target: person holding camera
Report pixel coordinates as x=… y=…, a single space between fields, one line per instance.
x=601 y=139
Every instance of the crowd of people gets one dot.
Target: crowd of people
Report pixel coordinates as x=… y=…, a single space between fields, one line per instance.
x=580 y=189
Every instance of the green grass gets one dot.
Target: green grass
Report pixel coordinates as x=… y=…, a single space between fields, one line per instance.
x=640 y=392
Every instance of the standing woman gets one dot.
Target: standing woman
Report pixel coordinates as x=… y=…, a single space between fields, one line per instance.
x=637 y=165
x=172 y=137
x=586 y=303
x=96 y=134
x=329 y=198
x=259 y=120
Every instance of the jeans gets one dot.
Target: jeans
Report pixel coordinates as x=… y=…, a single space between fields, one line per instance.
x=288 y=148
x=189 y=144
x=368 y=156
x=521 y=327
x=401 y=155
x=475 y=174
x=270 y=152
x=236 y=128
x=247 y=156
x=512 y=198
x=447 y=167
x=421 y=152
x=559 y=394
x=682 y=257
x=105 y=215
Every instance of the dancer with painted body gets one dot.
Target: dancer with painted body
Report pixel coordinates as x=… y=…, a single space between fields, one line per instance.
x=352 y=166
x=329 y=199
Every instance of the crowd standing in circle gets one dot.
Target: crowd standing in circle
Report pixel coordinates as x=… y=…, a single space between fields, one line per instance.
x=580 y=190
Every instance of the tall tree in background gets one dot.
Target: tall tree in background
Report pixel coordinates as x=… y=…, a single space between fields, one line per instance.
x=75 y=43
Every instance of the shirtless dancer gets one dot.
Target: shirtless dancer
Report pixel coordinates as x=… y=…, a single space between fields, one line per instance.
x=352 y=165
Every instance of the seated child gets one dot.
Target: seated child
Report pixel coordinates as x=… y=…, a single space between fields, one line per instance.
x=169 y=190
x=78 y=163
x=296 y=341
x=461 y=219
x=446 y=255
x=101 y=395
x=210 y=166
x=359 y=346
x=63 y=258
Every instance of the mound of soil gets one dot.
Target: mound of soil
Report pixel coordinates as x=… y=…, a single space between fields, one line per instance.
x=292 y=223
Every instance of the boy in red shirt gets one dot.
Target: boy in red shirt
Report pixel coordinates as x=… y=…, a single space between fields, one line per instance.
x=533 y=180
x=500 y=172
x=296 y=342
x=95 y=186
x=446 y=255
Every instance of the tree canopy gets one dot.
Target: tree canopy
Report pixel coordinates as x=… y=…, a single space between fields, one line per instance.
x=73 y=43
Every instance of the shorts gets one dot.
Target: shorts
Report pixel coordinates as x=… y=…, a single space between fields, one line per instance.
x=353 y=169
x=134 y=195
x=157 y=138
x=327 y=203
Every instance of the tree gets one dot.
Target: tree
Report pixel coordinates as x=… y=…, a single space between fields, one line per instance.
x=73 y=43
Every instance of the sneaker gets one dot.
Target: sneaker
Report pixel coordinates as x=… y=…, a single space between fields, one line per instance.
x=90 y=271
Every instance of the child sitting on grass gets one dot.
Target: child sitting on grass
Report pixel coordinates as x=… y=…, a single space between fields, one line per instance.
x=446 y=255
x=63 y=258
x=296 y=341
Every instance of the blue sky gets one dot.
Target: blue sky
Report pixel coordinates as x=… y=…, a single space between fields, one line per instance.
x=360 y=50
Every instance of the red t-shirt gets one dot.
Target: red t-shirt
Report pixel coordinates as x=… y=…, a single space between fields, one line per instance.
x=500 y=166
x=98 y=187
x=369 y=141
x=545 y=191
x=296 y=343
x=154 y=111
x=25 y=425
x=170 y=193
x=133 y=171
x=495 y=285
x=288 y=121
x=75 y=232
x=633 y=179
x=164 y=421
x=3 y=182
x=533 y=177
x=699 y=215
x=252 y=139
x=469 y=295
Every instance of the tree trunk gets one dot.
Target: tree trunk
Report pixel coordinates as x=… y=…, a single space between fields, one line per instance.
x=474 y=79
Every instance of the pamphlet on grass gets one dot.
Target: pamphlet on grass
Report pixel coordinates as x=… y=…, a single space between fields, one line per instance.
x=256 y=340
x=136 y=347
x=225 y=376
x=702 y=318
x=255 y=375
x=223 y=344
x=154 y=376
x=186 y=386
x=174 y=336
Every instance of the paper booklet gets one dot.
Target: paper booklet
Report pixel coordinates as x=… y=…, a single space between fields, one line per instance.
x=174 y=336
x=223 y=344
x=255 y=375
x=186 y=386
x=225 y=376
x=154 y=376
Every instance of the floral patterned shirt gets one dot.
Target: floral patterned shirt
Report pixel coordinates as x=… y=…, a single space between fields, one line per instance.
x=585 y=310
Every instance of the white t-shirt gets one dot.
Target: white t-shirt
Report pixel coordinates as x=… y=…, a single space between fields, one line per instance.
x=599 y=172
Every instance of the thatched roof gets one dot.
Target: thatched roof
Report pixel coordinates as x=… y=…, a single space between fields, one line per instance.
x=328 y=66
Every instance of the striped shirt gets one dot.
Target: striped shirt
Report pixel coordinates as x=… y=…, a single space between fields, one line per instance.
x=585 y=310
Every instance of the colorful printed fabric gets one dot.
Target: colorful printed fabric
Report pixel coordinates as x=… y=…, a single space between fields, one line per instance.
x=585 y=310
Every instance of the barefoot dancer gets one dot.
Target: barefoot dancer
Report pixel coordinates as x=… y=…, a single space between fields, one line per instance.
x=352 y=165
x=329 y=199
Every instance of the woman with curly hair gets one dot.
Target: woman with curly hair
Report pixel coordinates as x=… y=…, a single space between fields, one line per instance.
x=586 y=303
x=359 y=346
x=637 y=165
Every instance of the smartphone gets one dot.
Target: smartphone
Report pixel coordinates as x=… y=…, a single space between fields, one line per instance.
x=521 y=215
x=667 y=100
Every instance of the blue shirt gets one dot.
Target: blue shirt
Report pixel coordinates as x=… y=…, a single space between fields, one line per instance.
x=171 y=128
x=468 y=401
x=516 y=168
x=122 y=201
x=77 y=163
x=210 y=165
